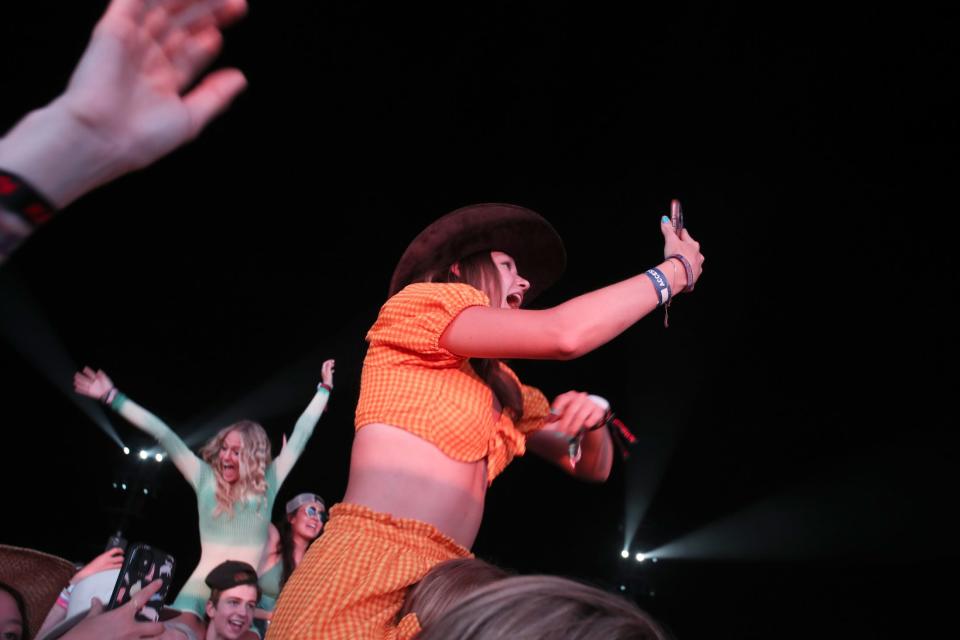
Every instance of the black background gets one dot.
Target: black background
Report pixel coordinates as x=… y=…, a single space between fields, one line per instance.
x=794 y=419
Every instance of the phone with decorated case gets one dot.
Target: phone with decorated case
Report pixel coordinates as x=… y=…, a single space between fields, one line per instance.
x=142 y=565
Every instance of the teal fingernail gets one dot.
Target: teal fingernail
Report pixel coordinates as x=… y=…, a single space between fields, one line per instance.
x=664 y=219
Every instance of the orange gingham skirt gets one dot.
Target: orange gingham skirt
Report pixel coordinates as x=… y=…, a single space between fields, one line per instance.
x=351 y=582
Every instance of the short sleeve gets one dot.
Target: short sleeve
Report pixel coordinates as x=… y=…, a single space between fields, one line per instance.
x=413 y=320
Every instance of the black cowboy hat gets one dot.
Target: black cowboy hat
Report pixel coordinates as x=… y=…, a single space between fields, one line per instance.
x=530 y=240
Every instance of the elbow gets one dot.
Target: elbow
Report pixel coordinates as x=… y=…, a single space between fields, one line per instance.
x=567 y=347
x=567 y=339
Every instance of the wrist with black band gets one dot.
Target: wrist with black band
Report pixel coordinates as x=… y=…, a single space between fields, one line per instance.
x=20 y=198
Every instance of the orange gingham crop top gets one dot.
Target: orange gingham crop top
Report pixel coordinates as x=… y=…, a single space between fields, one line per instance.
x=410 y=381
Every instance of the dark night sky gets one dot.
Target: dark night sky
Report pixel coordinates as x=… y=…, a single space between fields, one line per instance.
x=794 y=418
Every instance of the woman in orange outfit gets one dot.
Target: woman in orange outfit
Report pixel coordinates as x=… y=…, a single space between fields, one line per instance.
x=440 y=415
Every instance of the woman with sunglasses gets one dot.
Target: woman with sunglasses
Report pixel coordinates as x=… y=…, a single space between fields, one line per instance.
x=235 y=479
x=306 y=515
x=440 y=415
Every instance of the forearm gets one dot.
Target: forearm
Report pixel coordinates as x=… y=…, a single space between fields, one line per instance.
x=590 y=320
x=302 y=431
x=180 y=454
x=143 y=419
x=58 y=612
x=58 y=155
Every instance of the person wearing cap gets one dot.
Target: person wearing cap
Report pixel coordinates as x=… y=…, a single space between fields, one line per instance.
x=229 y=610
x=235 y=479
x=440 y=415
x=306 y=514
x=234 y=593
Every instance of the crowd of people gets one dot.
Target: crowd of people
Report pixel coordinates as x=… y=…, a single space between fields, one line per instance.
x=440 y=414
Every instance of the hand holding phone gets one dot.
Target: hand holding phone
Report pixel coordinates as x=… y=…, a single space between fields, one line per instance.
x=142 y=565
x=121 y=623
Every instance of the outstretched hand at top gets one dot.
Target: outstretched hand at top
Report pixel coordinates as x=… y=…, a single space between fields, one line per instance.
x=90 y=383
x=128 y=88
x=326 y=372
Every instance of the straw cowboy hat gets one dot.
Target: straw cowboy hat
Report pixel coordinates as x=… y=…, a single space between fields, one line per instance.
x=38 y=577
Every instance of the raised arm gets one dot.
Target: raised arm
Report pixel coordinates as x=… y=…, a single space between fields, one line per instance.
x=126 y=105
x=579 y=325
x=302 y=431
x=96 y=384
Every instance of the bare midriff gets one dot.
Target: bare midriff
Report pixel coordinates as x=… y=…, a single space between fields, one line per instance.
x=393 y=471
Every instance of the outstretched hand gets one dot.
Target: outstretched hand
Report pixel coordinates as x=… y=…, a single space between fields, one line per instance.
x=120 y=623
x=90 y=383
x=137 y=93
x=326 y=372
x=128 y=88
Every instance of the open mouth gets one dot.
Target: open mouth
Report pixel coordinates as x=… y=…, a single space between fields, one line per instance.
x=237 y=624
x=514 y=300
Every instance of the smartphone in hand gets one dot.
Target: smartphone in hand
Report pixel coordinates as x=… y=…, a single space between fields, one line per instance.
x=142 y=565
x=676 y=215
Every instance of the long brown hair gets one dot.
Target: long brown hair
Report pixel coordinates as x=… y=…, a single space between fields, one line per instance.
x=287 y=546
x=479 y=271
